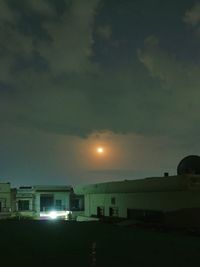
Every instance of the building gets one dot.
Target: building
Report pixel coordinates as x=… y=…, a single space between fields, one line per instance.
x=43 y=202
x=52 y=200
x=127 y=198
x=5 y=200
x=170 y=199
x=150 y=199
x=40 y=202
x=23 y=201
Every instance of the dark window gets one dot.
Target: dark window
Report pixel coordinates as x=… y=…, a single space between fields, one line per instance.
x=46 y=202
x=113 y=212
x=100 y=211
x=23 y=205
x=113 y=201
x=77 y=202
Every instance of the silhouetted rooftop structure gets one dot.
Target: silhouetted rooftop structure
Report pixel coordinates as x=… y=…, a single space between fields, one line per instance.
x=189 y=165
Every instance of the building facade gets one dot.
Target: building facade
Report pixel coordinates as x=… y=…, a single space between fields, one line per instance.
x=45 y=202
x=40 y=202
x=150 y=197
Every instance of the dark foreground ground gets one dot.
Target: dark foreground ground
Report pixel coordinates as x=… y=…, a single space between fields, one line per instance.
x=40 y=243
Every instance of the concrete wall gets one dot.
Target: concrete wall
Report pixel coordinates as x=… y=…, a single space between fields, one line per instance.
x=5 y=200
x=165 y=201
x=5 y=196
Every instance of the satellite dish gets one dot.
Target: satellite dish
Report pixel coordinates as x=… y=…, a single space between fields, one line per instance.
x=189 y=165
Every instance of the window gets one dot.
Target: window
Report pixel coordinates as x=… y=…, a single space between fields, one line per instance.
x=46 y=202
x=77 y=202
x=100 y=211
x=113 y=212
x=23 y=205
x=113 y=200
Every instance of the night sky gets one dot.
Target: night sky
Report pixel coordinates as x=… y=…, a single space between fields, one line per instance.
x=76 y=75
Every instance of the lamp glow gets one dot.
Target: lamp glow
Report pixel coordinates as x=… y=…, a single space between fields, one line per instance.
x=53 y=215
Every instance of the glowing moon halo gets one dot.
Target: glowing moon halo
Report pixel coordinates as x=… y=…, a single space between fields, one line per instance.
x=100 y=150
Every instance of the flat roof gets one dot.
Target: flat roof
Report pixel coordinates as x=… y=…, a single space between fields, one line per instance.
x=52 y=188
x=151 y=184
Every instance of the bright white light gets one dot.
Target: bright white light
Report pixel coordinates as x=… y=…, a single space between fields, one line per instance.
x=53 y=215
x=100 y=150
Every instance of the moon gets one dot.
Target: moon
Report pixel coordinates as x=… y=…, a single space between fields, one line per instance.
x=100 y=150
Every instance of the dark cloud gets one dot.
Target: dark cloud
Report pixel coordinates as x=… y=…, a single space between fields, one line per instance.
x=59 y=88
x=179 y=89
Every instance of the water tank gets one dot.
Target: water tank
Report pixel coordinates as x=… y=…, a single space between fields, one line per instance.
x=189 y=165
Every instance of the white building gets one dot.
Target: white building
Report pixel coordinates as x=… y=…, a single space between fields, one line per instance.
x=174 y=199
x=43 y=202
x=134 y=199
x=24 y=201
x=52 y=200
